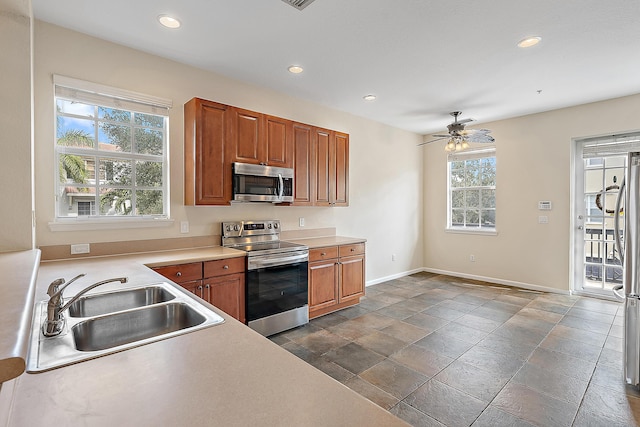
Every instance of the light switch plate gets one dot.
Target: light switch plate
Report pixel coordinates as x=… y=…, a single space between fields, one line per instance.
x=543 y=219
x=184 y=226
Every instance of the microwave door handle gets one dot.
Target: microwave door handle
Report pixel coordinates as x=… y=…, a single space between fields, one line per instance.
x=281 y=192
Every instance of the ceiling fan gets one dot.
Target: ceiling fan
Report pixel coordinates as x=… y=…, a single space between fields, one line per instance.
x=459 y=138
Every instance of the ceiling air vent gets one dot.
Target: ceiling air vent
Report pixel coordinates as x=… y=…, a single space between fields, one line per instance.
x=299 y=4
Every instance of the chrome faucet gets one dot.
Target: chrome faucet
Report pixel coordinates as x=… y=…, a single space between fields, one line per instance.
x=55 y=319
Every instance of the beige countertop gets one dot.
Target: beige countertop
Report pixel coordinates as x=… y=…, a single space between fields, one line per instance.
x=224 y=375
x=321 y=242
x=16 y=291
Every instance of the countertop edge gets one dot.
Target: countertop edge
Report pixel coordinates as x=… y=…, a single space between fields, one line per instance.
x=22 y=269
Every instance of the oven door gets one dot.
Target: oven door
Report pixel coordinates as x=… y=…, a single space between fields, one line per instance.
x=275 y=287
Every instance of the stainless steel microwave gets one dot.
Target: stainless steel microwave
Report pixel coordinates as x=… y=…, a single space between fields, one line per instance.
x=260 y=183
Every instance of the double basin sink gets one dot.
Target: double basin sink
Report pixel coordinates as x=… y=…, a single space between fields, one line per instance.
x=109 y=322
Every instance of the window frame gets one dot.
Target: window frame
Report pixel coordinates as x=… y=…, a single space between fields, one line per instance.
x=108 y=97
x=468 y=155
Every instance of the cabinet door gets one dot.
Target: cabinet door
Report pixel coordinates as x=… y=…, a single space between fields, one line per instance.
x=207 y=176
x=351 y=278
x=195 y=287
x=278 y=142
x=339 y=176
x=227 y=293
x=323 y=284
x=322 y=145
x=303 y=165
x=247 y=131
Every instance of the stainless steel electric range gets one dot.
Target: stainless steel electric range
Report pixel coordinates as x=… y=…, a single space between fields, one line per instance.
x=276 y=275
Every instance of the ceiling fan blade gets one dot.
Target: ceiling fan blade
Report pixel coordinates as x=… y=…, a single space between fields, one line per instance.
x=475 y=131
x=465 y=121
x=441 y=136
x=481 y=137
x=433 y=140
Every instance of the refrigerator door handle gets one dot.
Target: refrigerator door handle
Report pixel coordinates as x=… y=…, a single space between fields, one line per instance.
x=616 y=221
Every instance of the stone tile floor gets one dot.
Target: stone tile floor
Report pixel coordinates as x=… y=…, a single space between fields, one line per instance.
x=442 y=351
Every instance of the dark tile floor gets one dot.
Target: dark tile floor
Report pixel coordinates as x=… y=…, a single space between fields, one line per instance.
x=437 y=350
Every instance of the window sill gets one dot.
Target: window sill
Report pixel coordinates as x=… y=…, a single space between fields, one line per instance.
x=108 y=224
x=476 y=231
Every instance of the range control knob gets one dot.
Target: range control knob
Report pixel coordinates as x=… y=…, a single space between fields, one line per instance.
x=236 y=227
x=269 y=225
x=228 y=228
x=275 y=225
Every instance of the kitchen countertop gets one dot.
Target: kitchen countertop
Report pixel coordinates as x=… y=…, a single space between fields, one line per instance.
x=321 y=242
x=16 y=292
x=223 y=375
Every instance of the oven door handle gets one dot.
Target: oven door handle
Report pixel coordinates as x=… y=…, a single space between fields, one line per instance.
x=254 y=264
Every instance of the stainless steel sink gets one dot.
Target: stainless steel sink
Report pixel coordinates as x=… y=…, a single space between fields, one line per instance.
x=134 y=325
x=114 y=321
x=109 y=302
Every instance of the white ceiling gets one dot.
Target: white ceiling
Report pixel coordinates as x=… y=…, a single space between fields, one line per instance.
x=422 y=58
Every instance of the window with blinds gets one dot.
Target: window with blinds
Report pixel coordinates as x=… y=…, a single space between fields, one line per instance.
x=472 y=190
x=111 y=152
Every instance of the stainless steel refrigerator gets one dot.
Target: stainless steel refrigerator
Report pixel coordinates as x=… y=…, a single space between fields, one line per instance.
x=628 y=245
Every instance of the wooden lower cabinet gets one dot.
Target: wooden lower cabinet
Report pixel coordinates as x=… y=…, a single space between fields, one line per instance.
x=227 y=293
x=336 y=278
x=219 y=282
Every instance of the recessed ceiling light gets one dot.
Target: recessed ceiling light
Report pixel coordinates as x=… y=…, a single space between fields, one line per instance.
x=295 y=69
x=369 y=97
x=529 y=41
x=169 y=21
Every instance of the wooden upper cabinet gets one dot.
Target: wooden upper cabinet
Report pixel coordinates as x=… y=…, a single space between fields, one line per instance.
x=278 y=142
x=217 y=135
x=340 y=169
x=304 y=179
x=331 y=164
x=322 y=167
x=260 y=139
x=247 y=136
x=207 y=176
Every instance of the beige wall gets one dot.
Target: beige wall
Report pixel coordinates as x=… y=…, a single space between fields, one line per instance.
x=385 y=164
x=16 y=232
x=533 y=163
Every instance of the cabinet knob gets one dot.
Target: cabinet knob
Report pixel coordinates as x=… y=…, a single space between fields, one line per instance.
x=353 y=249
x=200 y=287
x=226 y=267
x=207 y=286
x=323 y=254
x=178 y=274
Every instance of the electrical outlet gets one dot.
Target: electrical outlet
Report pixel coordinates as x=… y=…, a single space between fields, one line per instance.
x=184 y=226
x=301 y=221
x=472 y=258
x=82 y=248
x=543 y=219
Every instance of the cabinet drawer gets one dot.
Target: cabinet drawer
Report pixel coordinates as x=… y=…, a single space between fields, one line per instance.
x=222 y=267
x=356 y=249
x=181 y=273
x=323 y=253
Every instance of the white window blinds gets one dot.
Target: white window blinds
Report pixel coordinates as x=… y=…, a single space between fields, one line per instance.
x=93 y=93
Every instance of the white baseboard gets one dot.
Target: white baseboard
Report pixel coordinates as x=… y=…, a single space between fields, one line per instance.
x=513 y=283
x=393 y=276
